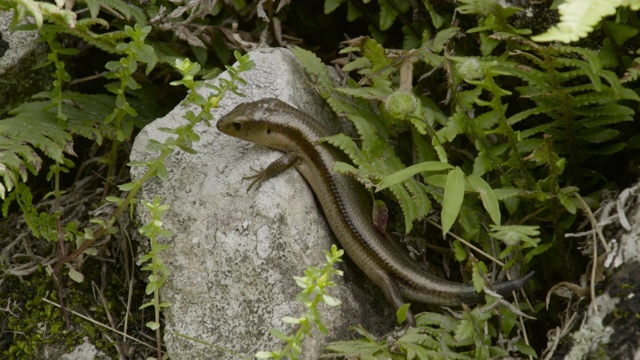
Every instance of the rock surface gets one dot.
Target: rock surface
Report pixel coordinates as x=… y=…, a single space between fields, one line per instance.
x=19 y=53
x=609 y=327
x=234 y=253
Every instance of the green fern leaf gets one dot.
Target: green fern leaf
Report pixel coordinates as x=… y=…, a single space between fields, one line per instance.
x=27 y=6
x=409 y=208
x=357 y=63
x=16 y=161
x=590 y=55
x=609 y=150
x=514 y=119
x=614 y=81
x=315 y=67
x=106 y=42
x=94 y=7
x=595 y=121
x=348 y=146
x=577 y=19
x=388 y=14
x=610 y=109
x=598 y=134
x=86 y=24
x=536 y=130
x=17 y=137
x=420 y=198
x=368 y=93
x=601 y=97
x=40 y=130
x=128 y=10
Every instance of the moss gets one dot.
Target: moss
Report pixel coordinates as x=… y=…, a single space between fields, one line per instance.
x=38 y=324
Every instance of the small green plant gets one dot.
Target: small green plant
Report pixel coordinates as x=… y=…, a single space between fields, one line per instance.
x=437 y=336
x=314 y=284
x=158 y=271
x=44 y=130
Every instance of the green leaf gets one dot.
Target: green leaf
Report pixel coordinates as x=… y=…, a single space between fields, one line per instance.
x=401 y=314
x=453 y=196
x=330 y=300
x=567 y=203
x=505 y=193
x=278 y=334
x=388 y=14
x=127 y=187
x=368 y=93
x=402 y=175
x=525 y=349
x=442 y=37
x=598 y=135
x=476 y=278
x=94 y=7
x=620 y=32
x=488 y=197
x=75 y=275
x=609 y=150
x=314 y=66
x=577 y=19
x=509 y=320
x=290 y=320
x=331 y=5
x=459 y=251
x=265 y=355
x=537 y=251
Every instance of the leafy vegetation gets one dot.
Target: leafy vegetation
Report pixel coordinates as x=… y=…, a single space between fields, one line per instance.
x=314 y=284
x=459 y=112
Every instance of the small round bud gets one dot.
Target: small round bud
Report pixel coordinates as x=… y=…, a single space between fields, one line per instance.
x=470 y=69
x=401 y=103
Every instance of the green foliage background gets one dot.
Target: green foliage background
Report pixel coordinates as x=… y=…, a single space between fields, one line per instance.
x=462 y=116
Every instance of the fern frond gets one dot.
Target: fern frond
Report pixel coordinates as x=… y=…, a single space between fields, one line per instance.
x=614 y=81
x=598 y=135
x=578 y=89
x=577 y=19
x=609 y=150
x=127 y=9
x=367 y=93
x=16 y=161
x=606 y=95
x=409 y=209
x=420 y=198
x=514 y=119
x=348 y=146
x=40 y=130
x=604 y=120
x=85 y=24
x=315 y=67
x=532 y=76
x=106 y=42
x=535 y=130
x=588 y=54
x=610 y=109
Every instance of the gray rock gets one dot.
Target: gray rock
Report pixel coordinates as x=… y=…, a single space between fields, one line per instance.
x=609 y=327
x=234 y=253
x=84 y=351
x=20 y=52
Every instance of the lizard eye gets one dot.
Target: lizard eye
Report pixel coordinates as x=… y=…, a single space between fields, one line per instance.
x=268 y=131
x=236 y=125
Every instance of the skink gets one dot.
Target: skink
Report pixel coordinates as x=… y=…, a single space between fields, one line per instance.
x=346 y=203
